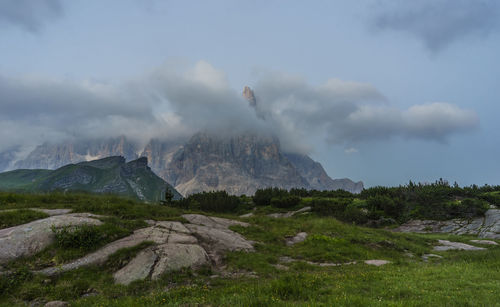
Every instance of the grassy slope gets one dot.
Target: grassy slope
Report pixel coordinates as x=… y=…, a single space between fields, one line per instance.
x=459 y=279
x=152 y=186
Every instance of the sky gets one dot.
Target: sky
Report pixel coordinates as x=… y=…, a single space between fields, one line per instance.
x=376 y=90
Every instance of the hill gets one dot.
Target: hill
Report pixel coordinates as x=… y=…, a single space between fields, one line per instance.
x=116 y=252
x=110 y=175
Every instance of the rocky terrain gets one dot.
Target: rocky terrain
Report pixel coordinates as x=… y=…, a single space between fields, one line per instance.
x=108 y=175
x=203 y=240
x=483 y=227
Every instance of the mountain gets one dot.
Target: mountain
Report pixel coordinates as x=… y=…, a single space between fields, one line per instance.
x=109 y=175
x=239 y=165
x=52 y=156
x=317 y=178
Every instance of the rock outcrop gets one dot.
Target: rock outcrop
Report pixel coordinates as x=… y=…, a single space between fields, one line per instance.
x=318 y=179
x=202 y=241
x=483 y=227
x=29 y=239
x=239 y=165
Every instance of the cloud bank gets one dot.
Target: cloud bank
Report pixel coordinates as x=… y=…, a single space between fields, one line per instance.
x=29 y=15
x=175 y=102
x=439 y=23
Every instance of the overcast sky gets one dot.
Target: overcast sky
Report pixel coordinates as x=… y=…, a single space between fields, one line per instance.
x=376 y=90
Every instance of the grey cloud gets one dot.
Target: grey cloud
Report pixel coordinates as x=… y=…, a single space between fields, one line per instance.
x=30 y=15
x=439 y=23
x=349 y=112
x=175 y=103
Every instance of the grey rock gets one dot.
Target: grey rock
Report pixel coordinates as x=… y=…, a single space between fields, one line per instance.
x=157 y=234
x=300 y=237
x=483 y=227
x=57 y=304
x=176 y=246
x=28 y=239
x=290 y=213
x=173 y=257
x=212 y=221
x=487 y=242
x=247 y=215
x=217 y=241
x=139 y=268
x=376 y=262
x=426 y=257
x=448 y=245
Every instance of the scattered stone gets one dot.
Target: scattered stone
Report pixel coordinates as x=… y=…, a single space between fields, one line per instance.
x=281 y=267
x=448 y=245
x=426 y=257
x=57 y=304
x=483 y=227
x=377 y=262
x=28 y=239
x=290 y=213
x=487 y=242
x=247 y=215
x=300 y=237
x=286 y=259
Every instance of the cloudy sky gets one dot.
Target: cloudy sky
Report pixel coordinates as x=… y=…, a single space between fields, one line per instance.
x=376 y=90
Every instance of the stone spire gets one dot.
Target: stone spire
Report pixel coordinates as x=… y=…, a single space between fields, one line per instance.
x=249 y=95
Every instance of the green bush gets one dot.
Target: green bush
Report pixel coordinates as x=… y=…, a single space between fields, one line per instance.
x=87 y=237
x=218 y=201
x=285 y=202
x=262 y=197
x=330 y=207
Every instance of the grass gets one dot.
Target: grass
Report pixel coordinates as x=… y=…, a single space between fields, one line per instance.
x=11 y=218
x=457 y=279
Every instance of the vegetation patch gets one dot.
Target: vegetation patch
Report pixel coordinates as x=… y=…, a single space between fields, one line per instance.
x=15 y=217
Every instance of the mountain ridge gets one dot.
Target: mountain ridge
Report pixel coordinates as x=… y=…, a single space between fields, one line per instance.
x=108 y=175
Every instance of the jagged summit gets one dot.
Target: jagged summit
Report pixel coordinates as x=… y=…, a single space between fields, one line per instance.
x=249 y=95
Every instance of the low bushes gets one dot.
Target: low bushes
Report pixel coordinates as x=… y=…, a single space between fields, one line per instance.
x=218 y=201
x=285 y=202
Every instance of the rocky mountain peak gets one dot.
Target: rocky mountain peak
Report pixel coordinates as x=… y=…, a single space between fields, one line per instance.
x=249 y=95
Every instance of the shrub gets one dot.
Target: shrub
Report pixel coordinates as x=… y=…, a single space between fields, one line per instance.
x=217 y=201
x=262 y=197
x=330 y=207
x=285 y=202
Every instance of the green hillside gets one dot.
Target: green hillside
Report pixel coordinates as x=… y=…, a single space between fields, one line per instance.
x=110 y=175
x=259 y=278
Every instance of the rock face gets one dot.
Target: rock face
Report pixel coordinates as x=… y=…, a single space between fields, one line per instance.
x=108 y=175
x=202 y=241
x=318 y=179
x=483 y=227
x=239 y=165
x=52 y=156
x=29 y=239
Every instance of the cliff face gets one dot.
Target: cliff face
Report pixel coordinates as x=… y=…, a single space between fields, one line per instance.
x=239 y=165
x=318 y=179
x=52 y=156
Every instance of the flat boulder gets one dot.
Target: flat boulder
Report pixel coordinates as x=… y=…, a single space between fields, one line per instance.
x=448 y=245
x=28 y=239
x=300 y=237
